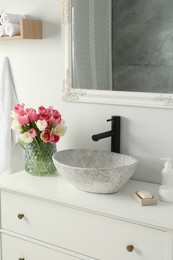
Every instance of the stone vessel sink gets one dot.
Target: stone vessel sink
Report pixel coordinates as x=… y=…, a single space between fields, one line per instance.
x=93 y=170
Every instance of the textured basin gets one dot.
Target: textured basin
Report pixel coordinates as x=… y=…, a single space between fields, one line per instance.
x=93 y=170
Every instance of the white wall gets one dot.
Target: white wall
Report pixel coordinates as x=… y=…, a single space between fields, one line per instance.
x=147 y=133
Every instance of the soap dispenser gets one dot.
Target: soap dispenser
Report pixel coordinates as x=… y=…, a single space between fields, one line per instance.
x=167 y=172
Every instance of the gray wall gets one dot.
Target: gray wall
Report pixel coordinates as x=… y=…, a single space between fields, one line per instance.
x=143 y=45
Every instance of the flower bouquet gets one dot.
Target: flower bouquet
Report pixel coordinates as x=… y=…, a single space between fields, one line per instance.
x=39 y=131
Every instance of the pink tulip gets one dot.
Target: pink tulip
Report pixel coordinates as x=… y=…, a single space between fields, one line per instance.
x=49 y=124
x=55 y=118
x=49 y=110
x=56 y=114
x=32 y=133
x=33 y=116
x=23 y=119
x=54 y=138
x=48 y=113
x=43 y=117
x=43 y=113
x=56 y=122
x=19 y=108
x=42 y=110
x=45 y=135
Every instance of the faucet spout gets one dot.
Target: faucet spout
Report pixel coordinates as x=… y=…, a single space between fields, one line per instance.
x=97 y=137
x=114 y=134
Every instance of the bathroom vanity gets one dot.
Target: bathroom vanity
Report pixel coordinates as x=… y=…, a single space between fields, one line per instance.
x=47 y=218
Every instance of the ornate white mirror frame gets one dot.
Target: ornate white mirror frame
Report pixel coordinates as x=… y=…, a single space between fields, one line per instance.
x=100 y=96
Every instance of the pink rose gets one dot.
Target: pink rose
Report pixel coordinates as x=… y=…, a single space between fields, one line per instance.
x=23 y=119
x=54 y=138
x=45 y=135
x=32 y=133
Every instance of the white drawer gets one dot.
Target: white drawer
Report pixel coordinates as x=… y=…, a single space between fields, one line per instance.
x=14 y=248
x=90 y=234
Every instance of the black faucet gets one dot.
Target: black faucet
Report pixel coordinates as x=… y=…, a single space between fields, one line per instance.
x=114 y=133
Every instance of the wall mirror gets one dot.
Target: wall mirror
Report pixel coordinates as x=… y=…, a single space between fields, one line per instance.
x=118 y=52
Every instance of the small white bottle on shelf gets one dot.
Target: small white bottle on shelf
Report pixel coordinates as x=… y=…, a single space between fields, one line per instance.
x=167 y=172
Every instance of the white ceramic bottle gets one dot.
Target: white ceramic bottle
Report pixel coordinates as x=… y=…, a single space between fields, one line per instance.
x=167 y=173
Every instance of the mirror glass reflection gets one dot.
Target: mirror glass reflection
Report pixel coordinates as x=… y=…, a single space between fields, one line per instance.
x=122 y=45
x=92 y=44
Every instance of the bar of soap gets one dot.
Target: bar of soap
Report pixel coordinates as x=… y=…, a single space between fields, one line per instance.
x=144 y=199
x=144 y=194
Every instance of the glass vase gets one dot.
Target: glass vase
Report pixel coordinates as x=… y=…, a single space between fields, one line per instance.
x=38 y=158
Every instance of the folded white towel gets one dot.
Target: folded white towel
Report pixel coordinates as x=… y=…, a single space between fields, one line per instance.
x=11 y=18
x=2 y=31
x=12 y=29
x=7 y=101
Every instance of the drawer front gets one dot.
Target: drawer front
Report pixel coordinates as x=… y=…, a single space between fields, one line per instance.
x=14 y=248
x=83 y=232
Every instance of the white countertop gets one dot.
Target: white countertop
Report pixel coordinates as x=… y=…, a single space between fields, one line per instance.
x=120 y=205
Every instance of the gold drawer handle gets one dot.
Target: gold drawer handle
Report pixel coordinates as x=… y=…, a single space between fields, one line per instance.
x=20 y=216
x=130 y=248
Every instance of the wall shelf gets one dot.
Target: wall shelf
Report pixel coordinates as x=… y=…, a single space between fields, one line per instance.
x=29 y=29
